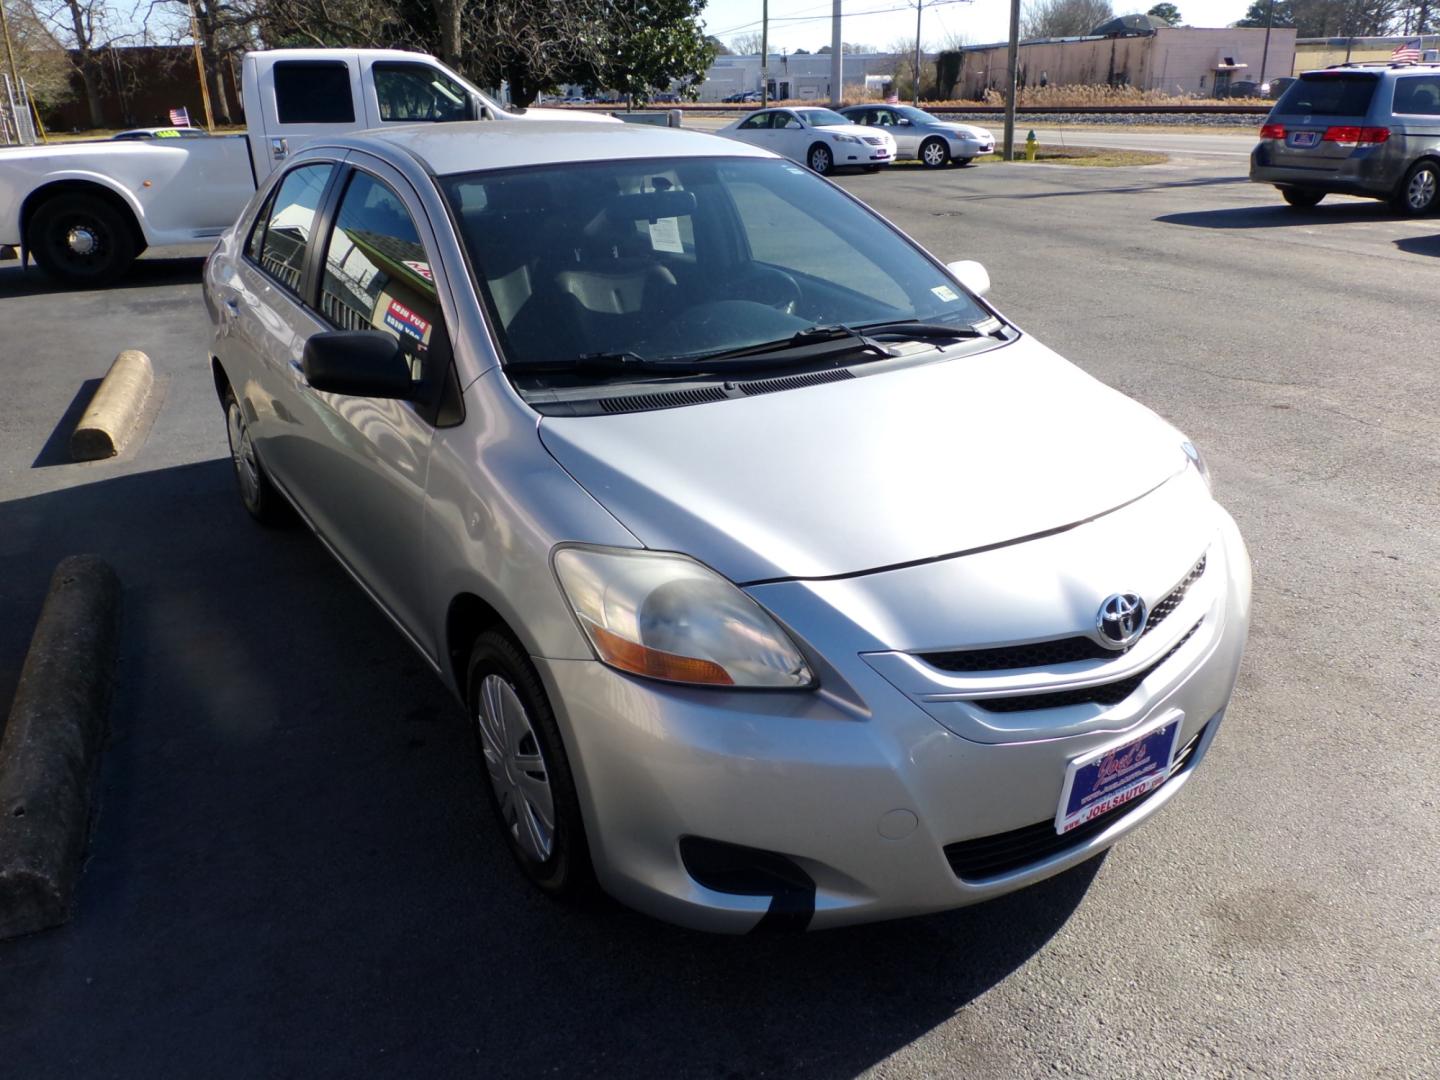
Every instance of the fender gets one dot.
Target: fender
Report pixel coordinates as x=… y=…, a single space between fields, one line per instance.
x=79 y=176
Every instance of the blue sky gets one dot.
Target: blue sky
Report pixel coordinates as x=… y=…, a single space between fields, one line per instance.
x=805 y=24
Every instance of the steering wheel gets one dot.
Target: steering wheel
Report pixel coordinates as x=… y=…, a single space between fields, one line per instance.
x=769 y=286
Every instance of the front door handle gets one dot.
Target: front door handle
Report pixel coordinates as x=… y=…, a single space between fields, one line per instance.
x=279 y=149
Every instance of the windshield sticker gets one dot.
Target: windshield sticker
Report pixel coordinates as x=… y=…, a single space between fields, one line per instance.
x=404 y=321
x=421 y=268
x=665 y=235
x=168 y=133
x=944 y=292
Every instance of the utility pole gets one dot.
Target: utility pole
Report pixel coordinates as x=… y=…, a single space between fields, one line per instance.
x=919 y=7
x=837 y=62
x=1265 y=52
x=1012 y=78
x=199 y=69
x=764 y=53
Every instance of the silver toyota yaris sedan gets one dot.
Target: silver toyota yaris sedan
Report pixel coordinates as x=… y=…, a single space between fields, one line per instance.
x=787 y=583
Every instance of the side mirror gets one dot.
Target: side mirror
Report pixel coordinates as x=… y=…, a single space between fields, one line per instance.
x=357 y=363
x=904 y=121
x=971 y=274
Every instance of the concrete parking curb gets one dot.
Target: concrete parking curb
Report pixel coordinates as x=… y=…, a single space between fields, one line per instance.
x=51 y=745
x=115 y=410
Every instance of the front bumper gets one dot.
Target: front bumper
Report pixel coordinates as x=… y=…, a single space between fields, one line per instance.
x=859 y=784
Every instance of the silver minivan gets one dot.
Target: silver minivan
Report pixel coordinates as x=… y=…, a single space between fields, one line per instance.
x=785 y=582
x=1357 y=129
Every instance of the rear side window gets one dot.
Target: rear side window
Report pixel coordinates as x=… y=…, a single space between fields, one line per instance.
x=290 y=223
x=1328 y=95
x=377 y=274
x=1418 y=95
x=313 y=92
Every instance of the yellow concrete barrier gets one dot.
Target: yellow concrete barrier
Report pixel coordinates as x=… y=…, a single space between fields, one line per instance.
x=115 y=410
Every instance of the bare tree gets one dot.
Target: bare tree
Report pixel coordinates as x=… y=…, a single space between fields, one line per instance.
x=1063 y=18
x=224 y=29
x=86 y=27
x=746 y=44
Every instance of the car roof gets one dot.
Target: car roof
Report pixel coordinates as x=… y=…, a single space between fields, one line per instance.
x=505 y=144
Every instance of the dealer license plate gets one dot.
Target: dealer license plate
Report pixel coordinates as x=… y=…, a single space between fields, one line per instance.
x=1106 y=779
x=1304 y=138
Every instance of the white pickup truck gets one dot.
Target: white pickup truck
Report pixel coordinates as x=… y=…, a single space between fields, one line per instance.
x=84 y=211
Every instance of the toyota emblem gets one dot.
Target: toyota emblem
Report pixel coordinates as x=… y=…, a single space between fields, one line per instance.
x=1121 y=620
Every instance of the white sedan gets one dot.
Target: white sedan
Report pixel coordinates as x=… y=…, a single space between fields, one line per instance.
x=818 y=138
x=926 y=138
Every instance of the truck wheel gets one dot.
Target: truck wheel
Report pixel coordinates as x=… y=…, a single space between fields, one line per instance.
x=81 y=240
x=1300 y=198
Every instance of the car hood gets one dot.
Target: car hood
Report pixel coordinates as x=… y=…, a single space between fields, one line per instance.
x=535 y=112
x=859 y=131
x=864 y=473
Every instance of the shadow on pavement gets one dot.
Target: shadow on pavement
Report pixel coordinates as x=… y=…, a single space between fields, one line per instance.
x=144 y=274
x=56 y=450
x=293 y=871
x=1420 y=245
x=1281 y=216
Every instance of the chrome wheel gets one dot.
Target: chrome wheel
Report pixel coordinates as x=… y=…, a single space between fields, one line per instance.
x=934 y=154
x=1420 y=192
x=517 y=769
x=242 y=453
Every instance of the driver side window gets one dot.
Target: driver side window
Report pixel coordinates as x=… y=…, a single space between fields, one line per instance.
x=759 y=122
x=418 y=93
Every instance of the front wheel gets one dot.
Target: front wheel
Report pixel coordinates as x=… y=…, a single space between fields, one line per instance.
x=258 y=495
x=1420 y=190
x=531 y=788
x=1300 y=198
x=820 y=159
x=81 y=240
x=934 y=154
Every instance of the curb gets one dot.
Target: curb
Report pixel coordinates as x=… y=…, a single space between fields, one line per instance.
x=115 y=410
x=51 y=745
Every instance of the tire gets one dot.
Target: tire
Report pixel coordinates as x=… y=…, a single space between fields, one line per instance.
x=820 y=160
x=257 y=494
x=527 y=771
x=962 y=162
x=872 y=168
x=81 y=240
x=1301 y=198
x=934 y=154
x=1419 y=192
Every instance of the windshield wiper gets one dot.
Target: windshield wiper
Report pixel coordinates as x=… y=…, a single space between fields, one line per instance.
x=814 y=343
x=914 y=328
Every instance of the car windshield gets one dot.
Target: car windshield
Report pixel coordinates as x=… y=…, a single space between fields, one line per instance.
x=822 y=117
x=1323 y=94
x=677 y=260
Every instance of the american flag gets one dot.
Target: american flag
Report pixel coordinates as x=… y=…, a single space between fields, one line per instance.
x=181 y=117
x=1407 y=53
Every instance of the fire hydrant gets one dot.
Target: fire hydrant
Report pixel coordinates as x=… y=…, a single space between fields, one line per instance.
x=1031 y=145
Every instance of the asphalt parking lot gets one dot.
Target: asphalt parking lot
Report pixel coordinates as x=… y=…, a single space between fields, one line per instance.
x=292 y=871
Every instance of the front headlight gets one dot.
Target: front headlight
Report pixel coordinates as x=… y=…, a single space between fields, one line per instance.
x=668 y=617
x=1198 y=460
x=845 y=138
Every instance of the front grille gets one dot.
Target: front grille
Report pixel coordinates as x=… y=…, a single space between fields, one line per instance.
x=1107 y=694
x=1060 y=650
x=990 y=856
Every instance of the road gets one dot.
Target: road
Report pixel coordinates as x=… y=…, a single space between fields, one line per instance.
x=293 y=874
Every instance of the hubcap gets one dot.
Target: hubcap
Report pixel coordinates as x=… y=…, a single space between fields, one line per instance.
x=82 y=240
x=934 y=154
x=517 y=771
x=1422 y=189
x=242 y=452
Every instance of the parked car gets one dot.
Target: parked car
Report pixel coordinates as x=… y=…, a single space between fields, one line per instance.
x=818 y=138
x=918 y=135
x=1371 y=130
x=160 y=133
x=85 y=211
x=787 y=583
